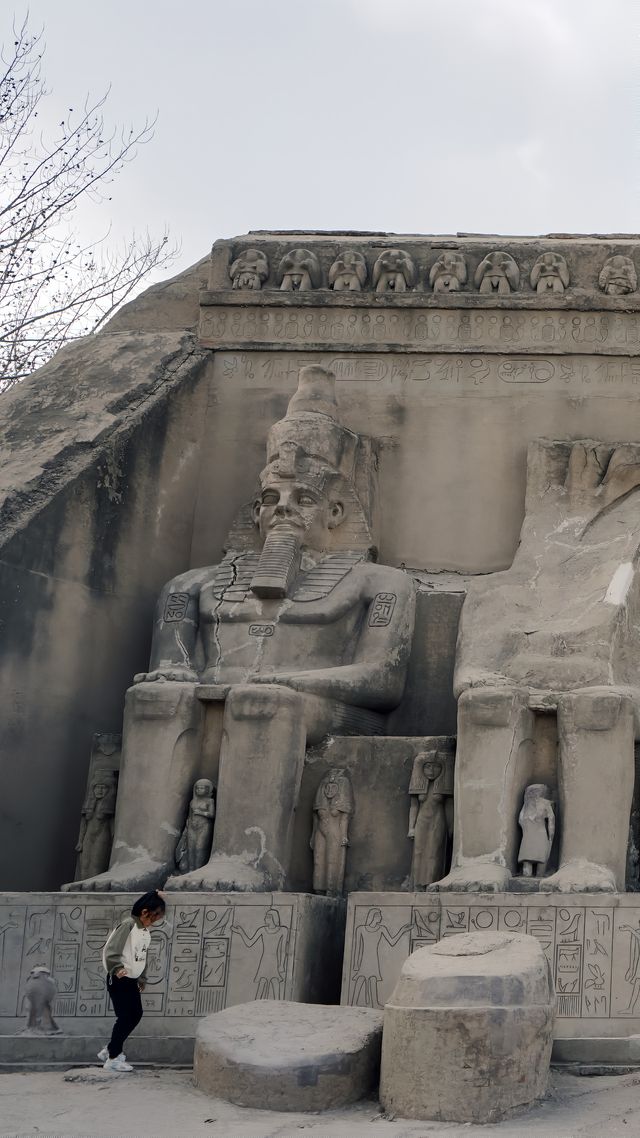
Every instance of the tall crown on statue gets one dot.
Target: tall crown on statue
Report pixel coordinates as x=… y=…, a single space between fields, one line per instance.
x=311 y=445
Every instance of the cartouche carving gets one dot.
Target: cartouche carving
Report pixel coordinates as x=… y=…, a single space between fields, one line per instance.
x=497 y=273
x=249 y=270
x=348 y=272
x=448 y=273
x=550 y=273
x=332 y=810
x=299 y=271
x=618 y=276
x=394 y=271
x=538 y=824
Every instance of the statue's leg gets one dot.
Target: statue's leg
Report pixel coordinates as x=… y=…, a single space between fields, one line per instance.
x=160 y=761
x=596 y=773
x=495 y=733
x=266 y=727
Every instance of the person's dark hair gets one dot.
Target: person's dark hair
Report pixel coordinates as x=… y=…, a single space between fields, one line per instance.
x=152 y=902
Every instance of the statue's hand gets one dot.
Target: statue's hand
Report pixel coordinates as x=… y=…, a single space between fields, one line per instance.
x=344 y=842
x=79 y=847
x=173 y=674
x=411 y=834
x=288 y=678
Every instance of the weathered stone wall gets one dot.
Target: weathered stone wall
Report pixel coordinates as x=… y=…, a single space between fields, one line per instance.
x=126 y=458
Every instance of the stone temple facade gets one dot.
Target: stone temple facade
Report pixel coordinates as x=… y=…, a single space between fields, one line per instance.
x=320 y=602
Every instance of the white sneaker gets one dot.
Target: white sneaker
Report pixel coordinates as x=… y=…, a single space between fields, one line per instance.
x=104 y=1055
x=117 y=1064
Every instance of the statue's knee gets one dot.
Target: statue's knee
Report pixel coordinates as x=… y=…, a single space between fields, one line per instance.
x=593 y=710
x=261 y=701
x=490 y=707
x=158 y=700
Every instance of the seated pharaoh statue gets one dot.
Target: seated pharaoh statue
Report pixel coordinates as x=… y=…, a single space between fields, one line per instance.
x=548 y=676
x=296 y=634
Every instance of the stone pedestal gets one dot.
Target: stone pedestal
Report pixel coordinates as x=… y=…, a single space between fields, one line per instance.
x=289 y=1056
x=589 y=940
x=199 y=960
x=467 y=1031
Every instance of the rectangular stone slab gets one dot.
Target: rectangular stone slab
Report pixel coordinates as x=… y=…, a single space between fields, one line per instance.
x=586 y=939
x=199 y=962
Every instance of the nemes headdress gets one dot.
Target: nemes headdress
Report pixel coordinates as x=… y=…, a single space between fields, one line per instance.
x=312 y=446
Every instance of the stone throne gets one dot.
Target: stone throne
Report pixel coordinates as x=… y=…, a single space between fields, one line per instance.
x=547 y=675
x=296 y=635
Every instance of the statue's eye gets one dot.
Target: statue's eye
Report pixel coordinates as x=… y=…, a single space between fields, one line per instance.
x=270 y=499
x=306 y=500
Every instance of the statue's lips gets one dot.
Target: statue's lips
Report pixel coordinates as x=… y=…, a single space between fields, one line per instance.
x=286 y=526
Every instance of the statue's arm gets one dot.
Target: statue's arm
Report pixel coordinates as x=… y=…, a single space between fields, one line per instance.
x=414 y=806
x=175 y=630
x=376 y=678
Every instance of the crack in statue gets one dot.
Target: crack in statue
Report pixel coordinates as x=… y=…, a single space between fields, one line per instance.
x=295 y=635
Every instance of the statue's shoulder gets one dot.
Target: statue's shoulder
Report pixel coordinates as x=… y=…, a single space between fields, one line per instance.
x=386 y=578
x=232 y=574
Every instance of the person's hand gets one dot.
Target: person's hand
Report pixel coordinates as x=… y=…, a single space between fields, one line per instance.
x=120 y=973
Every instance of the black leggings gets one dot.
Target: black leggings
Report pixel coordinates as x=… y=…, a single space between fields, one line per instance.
x=125 y=997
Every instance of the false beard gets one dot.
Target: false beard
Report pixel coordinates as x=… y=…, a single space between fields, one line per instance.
x=278 y=565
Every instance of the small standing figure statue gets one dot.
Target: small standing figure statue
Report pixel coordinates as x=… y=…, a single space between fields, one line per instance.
x=194 y=846
x=538 y=824
x=332 y=809
x=40 y=991
x=96 y=828
x=430 y=816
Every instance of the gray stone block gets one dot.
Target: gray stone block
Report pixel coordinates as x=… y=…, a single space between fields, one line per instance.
x=288 y=1056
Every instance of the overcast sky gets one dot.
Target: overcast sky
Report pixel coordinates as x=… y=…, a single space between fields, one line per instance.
x=423 y=116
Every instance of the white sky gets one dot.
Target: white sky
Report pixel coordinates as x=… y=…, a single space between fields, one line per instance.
x=432 y=116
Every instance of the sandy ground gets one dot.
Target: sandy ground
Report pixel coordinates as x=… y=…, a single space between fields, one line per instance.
x=165 y=1103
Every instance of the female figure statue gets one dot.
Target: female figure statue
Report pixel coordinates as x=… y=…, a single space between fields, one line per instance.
x=430 y=820
x=194 y=846
x=96 y=828
x=538 y=824
x=332 y=809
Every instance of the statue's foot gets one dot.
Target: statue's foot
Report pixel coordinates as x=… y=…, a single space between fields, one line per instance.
x=223 y=875
x=474 y=877
x=579 y=876
x=129 y=877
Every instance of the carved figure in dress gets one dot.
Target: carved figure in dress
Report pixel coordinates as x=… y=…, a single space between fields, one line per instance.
x=554 y=635
x=394 y=271
x=194 y=846
x=430 y=816
x=299 y=271
x=348 y=272
x=449 y=272
x=296 y=634
x=249 y=270
x=497 y=273
x=40 y=990
x=366 y=964
x=632 y=975
x=332 y=810
x=273 y=938
x=96 y=828
x=618 y=276
x=537 y=821
x=550 y=273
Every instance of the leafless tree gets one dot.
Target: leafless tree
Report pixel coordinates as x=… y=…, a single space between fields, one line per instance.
x=53 y=287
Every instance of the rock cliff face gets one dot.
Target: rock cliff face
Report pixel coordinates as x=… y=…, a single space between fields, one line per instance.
x=126 y=458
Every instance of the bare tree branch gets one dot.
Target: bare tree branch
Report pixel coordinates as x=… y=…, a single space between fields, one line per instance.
x=53 y=287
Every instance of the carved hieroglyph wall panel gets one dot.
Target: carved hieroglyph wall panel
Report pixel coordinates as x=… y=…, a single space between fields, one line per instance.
x=591 y=941
x=209 y=953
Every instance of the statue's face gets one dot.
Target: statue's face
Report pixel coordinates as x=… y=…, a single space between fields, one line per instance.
x=202 y=788
x=287 y=506
x=432 y=769
x=100 y=789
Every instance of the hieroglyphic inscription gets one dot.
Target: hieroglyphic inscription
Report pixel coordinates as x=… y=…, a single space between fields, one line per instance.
x=592 y=944
x=577 y=376
x=414 y=330
x=202 y=958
